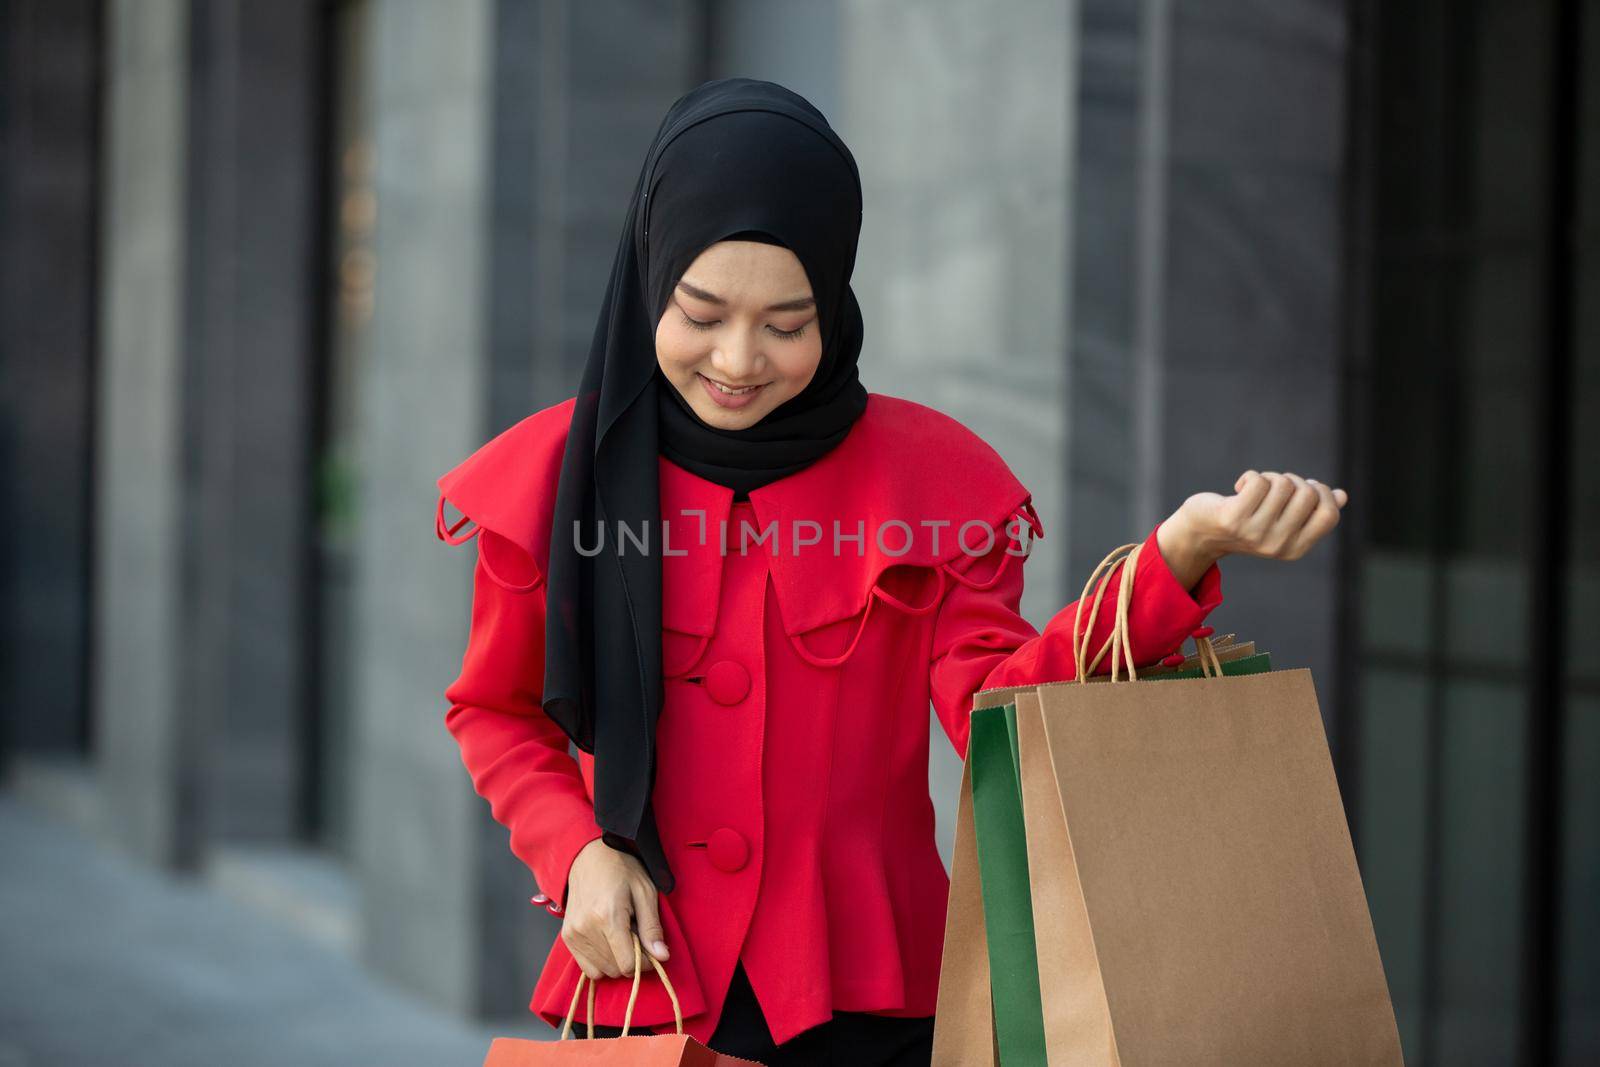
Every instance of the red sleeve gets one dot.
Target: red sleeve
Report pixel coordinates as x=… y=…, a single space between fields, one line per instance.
x=515 y=754
x=981 y=641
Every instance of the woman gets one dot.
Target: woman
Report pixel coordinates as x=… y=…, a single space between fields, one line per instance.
x=735 y=580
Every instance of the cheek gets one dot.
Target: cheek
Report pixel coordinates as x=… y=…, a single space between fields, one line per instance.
x=800 y=365
x=677 y=348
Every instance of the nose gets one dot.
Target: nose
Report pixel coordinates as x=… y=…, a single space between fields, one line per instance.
x=738 y=358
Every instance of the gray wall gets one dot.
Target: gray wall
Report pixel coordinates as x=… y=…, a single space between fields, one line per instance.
x=795 y=45
x=416 y=841
x=506 y=139
x=144 y=728
x=960 y=117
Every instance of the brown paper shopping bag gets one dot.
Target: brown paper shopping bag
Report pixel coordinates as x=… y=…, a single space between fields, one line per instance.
x=639 y=1050
x=963 y=1031
x=1194 y=895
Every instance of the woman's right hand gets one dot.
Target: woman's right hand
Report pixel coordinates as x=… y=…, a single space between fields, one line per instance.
x=607 y=891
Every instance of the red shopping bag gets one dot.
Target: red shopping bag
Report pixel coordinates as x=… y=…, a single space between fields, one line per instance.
x=640 y=1050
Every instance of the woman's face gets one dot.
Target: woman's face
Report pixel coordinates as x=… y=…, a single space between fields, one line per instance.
x=740 y=334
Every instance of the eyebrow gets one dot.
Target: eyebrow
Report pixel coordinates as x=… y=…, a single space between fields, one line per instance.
x=798 y=304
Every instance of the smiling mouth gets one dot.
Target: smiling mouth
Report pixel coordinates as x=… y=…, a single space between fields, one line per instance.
x=731 y=392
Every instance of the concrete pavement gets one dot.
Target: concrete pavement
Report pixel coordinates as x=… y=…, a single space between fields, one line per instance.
x=106 y=963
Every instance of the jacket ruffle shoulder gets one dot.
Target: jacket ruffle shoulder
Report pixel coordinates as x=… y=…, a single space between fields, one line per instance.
x=936 y=504
x=505 y=490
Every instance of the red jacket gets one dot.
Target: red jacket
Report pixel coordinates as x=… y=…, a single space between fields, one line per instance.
x=792 y=782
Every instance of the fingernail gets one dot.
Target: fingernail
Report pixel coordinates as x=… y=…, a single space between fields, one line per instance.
x=660 y=949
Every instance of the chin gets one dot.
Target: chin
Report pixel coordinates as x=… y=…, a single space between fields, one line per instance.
x=724 y=419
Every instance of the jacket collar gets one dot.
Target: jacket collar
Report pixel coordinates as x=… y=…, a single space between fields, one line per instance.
x=897 y=490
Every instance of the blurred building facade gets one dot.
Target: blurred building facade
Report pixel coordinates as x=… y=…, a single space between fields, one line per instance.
x=269 y=269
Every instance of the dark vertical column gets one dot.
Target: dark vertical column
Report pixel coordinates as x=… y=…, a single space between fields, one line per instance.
x=1550 y=614
x=1577 y=868
x=250 y=337
x=606 y=73
x=1360 y=207
x=1114 y=200
x=1249 y=366
x=49 y=118
x=1207 y=284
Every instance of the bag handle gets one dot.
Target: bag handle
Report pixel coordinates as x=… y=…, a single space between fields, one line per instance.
x=1118 y=642
x=1207 y=652
x=1081 y=634
x=627 y=1018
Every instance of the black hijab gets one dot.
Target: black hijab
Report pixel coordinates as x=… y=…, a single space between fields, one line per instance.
x=733 y=157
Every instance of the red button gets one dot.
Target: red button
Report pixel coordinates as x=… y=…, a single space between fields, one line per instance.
x=1174 y=659
x=1204 y=631
x=728 y=849
x=727 y=682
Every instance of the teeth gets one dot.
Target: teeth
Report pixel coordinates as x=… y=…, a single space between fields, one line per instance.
x=732 y=392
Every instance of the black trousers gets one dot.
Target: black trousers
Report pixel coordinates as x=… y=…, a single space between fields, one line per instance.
x=850 y=1039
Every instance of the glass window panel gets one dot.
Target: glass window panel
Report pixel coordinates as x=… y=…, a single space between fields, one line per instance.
x=1407 y=403
x=1414 y=46
x=1579 y=936
x=1499 y=347
x=1480 y=876
x=1391 y=833
x=1395 y=620
x=1588 y=147
x=1507 y=116
x=1486 y=615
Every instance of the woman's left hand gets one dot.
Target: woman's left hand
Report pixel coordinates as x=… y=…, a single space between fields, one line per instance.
x=1272 y=515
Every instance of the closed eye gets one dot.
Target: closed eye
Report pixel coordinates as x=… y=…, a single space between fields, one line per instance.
x=696 y=324
x=788 y=335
